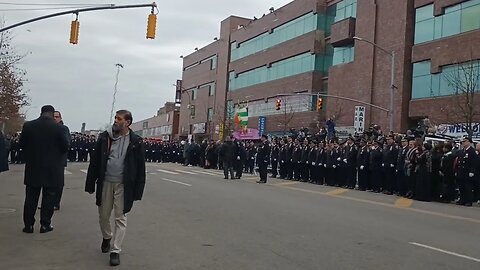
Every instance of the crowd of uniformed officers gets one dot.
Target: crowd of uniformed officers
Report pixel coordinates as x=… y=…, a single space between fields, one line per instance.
x=406 y=166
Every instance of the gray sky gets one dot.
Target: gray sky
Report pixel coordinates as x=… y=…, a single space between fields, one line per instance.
x=79 y=79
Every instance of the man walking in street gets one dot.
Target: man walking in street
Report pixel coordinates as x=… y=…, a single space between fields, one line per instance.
x=57 y=116
x=44 y=144
x=118 y=168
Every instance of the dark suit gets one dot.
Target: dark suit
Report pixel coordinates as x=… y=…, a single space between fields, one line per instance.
x=3 y=154
x=66 y=132
x=44 y=144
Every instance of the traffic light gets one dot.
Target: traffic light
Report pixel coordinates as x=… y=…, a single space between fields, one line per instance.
x=278 y=104
x=74 y=31
x=319 y=104
x=151 y=25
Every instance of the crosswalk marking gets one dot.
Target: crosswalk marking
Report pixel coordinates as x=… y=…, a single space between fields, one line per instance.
x=207 y=173
x=177 y=182
x=165 y=171
x=187 y=172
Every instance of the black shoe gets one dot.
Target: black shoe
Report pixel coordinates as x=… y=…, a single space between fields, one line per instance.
x=114 y=259
x=28 y=229
x=46 y=229
x=56 y=208
x=261 y=182
x=105 y=245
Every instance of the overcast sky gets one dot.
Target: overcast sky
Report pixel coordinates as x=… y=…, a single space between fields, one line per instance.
x=79 y=79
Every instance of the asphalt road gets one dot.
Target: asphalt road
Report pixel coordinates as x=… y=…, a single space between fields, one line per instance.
x=192 y=218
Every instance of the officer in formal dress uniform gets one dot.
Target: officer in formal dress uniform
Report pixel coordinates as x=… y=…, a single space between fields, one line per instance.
x=401 y=185
x=274 y=158
x=290 y=147
x=363 y=156
x=252 y=152
x=311 y=160
x=319 y=161
x=296 y=160
x=465 y=172
x=390 y=156
x=375 y=166
x=350 y=159
x=282 y=159
x=263 y=157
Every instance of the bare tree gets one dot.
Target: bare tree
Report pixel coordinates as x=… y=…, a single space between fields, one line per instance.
x=12 y=95
x=464 y=109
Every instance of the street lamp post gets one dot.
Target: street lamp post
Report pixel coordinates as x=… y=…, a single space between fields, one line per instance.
x=115 y=92
x=392 y=76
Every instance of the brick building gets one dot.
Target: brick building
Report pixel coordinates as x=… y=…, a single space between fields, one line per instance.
x=308 y=47
x=163 y=126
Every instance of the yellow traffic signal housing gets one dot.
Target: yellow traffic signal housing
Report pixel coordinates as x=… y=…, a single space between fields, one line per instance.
x=74 y=31
x=278 y=104
x=319 y=104
x=151 y=26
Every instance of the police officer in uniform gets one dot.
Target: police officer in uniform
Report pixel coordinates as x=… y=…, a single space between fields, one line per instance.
x=465 y=173
x=350 y=159
x=263 y=156
x=362 y=165
x=282 y=159
x=274 y=158
x=390 y=156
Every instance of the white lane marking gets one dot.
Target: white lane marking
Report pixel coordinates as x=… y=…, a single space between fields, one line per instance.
x=65 y=172
x=207 y=173
x=445 y=251
x=177 y=182
x=165 y=171
x=84 y=171
x=187 y=172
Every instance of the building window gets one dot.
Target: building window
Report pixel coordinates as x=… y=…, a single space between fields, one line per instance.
x=342 y=55
x=446 y=83
x=168 y=117
x=194 y=94
x=345 y=9
x=213 y=61
x=284 y=68
x=290 y=104
x=211 y=88
x=287 y=31
x=230 y=110
x=192 y=111
x=145 y=125
x=210 y=114
x=456 y=19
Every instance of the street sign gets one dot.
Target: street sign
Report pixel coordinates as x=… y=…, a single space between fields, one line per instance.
x=359 y=119
x=262 y=121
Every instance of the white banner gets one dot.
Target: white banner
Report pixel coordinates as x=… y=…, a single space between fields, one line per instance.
x=359 y=119
x=457 y=130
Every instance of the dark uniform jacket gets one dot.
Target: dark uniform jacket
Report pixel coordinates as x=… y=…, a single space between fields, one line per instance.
x=44 y=143
x=263 y=155
x=466 y=163
x=133 y=169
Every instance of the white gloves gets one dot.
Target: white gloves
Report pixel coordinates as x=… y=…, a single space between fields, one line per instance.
x=339 y=159
x=345 y=160
x=238 y=158
x=362 y=167
x=392 y=166
x=334 y=166
x=471 y=174
x=313 y=163
x=383 y=164
x=325 y=165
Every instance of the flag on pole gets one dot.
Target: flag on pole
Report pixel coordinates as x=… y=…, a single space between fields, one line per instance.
x=241 y=117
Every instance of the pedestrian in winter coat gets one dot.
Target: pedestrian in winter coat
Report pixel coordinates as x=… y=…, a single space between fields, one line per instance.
x=44 y=144
x=117 y=169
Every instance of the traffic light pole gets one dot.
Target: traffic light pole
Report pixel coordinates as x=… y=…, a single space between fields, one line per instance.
x=339 y=97
x=76 y=11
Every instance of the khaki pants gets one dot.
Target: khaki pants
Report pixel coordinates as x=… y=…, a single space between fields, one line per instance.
x=112 y=198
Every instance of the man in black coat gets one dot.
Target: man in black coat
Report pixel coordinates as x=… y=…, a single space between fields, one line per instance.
x=57 y=116
x=44 y=144
x=3 y=154
x=117 y=167
x=228 y=155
